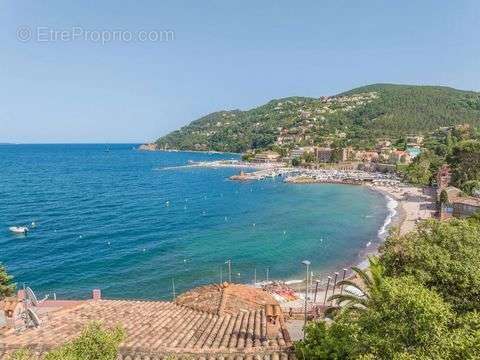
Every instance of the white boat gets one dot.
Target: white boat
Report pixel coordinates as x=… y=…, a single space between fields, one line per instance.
x=18 y=229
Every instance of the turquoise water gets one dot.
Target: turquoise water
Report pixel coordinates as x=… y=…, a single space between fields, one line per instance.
x=118 y=220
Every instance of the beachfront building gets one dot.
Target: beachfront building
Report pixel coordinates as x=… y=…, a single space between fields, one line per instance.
x=458 y=205
x=266 y=157
x=400 y=157
x=226 y=321
x=301 y=151
x=323 y=154
x=366 y=156
x=384 y=145
x=465 y=206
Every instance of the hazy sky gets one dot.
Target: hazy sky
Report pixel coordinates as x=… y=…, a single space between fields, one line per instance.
x=96 y=71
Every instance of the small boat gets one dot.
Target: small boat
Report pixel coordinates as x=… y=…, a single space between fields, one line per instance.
x=18 y=229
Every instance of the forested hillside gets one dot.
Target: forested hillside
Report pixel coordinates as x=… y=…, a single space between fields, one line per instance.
x=356 y=117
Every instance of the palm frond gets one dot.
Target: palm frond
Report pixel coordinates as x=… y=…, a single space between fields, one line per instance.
x=363 y=275
x=332 y=311
x=352 y=284
x=342 y=298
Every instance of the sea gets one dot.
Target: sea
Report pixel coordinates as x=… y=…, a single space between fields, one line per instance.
x=146 y=225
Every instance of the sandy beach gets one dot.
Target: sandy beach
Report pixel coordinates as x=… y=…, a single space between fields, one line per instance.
x=412 y=205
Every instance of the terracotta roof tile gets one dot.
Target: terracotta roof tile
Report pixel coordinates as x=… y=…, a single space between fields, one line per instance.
x=156 y=328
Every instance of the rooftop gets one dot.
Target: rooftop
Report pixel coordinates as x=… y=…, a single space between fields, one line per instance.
x=226 y=298
x=238 y=323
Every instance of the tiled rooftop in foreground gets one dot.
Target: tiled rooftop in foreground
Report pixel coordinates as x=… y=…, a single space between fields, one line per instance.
x=235 y=327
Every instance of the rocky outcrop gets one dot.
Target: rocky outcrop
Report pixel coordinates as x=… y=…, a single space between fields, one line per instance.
x=148 y=147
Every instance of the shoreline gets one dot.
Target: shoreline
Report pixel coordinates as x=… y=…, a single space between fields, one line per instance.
x=409 y=208
x=404 y=204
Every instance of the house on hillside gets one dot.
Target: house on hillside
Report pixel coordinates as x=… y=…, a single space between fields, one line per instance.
x=323 y=154
x=300 y=151
x=400 y=157
x=458 y=204
x=414 y=140
x=266 y=157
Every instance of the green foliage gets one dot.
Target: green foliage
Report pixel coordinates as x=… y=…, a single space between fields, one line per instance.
x=465 y=162
x=471 y=187
x=248 y=156
x=465 y=337
x=22 y=354
x=95 y=343
x=296 y=162
x=372 y=280
x=282 y=150
x=405 y=320
x=444 y=256
x=396 y=111
x=422 y=169
x=424 y=304
x=7 y=288
x=337 y=341
x=308 y=157
x=443 y=197
x=401 y=144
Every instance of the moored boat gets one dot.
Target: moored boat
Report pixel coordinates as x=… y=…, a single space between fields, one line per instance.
x=18 y=229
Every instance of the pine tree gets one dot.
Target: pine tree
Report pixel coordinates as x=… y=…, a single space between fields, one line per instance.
x=7 y=288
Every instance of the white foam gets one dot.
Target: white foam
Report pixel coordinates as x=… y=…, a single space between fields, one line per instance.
x=289 y=282
x=392 y=211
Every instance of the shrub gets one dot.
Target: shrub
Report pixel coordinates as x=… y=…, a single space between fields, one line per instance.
x=95 y=343
x=444 y=256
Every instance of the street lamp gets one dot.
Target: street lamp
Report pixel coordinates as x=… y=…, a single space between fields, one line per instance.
x=307 y=265
x=229 y=262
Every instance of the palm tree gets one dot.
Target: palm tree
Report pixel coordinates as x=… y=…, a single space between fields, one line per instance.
x=359 y=298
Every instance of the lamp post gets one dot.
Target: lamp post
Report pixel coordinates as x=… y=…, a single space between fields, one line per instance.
x=307 y=265
x=334 y=283
x=229 y=262
x=326 y=291
x=343 y=278
x=316 y=290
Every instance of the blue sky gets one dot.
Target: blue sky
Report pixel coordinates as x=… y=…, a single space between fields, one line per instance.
x=224 y=55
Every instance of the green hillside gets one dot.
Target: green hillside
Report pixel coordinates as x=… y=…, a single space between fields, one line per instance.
x=356 y=117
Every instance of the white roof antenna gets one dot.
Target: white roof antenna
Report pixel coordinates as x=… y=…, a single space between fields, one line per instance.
x=30 y=295
x=32 y=298
x=33 y=317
